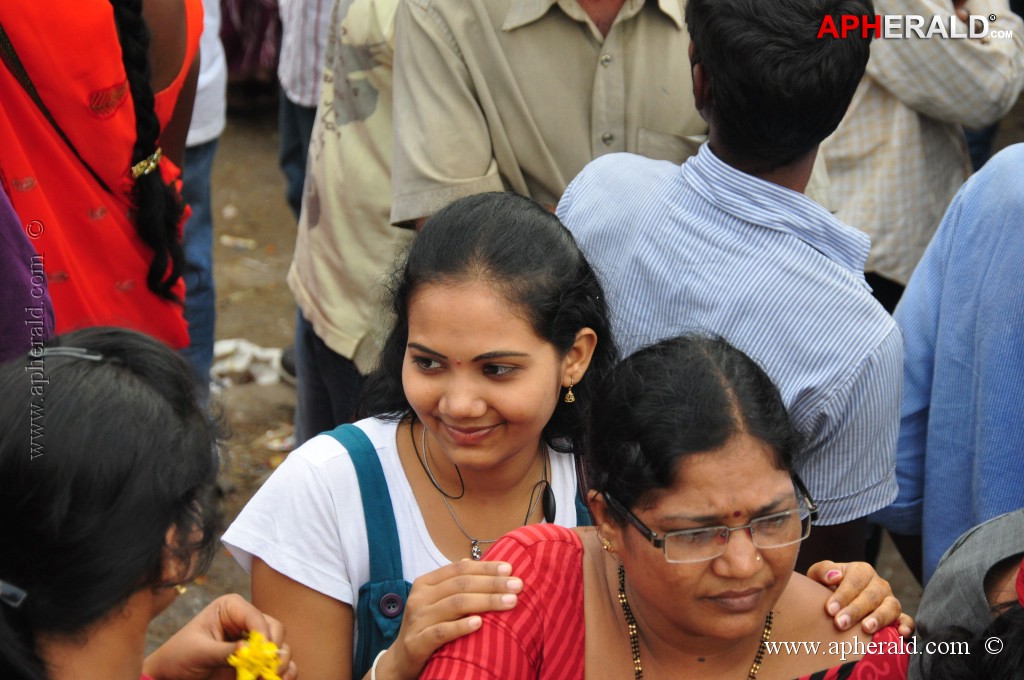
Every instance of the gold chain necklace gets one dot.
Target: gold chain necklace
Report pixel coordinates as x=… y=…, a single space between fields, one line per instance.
x=634 y=634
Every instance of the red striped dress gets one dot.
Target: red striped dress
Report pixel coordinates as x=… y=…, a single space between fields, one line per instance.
x=542 y=637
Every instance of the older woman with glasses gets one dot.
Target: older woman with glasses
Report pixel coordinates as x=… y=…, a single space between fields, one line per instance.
x=688 y=571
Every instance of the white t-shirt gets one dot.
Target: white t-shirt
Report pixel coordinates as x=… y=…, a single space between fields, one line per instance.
x=306 y=521
x=208 y=110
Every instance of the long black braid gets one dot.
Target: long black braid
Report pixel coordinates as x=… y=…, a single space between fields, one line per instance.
x=158 y=206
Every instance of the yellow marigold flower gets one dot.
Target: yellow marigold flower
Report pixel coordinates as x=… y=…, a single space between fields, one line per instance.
x=256 y=659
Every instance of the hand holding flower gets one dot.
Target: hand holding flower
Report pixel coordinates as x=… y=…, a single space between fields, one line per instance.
x=201 y=649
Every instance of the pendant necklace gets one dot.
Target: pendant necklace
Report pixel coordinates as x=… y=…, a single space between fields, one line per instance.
x=634 y=634
x=475 y=551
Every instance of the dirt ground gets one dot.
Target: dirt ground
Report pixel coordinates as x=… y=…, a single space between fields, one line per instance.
x=254 y=303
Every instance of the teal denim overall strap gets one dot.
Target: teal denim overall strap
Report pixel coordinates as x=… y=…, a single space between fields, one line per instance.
x=378 y=611
x=582 y=514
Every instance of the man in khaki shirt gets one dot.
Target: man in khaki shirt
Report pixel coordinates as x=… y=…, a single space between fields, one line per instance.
x=494 y=94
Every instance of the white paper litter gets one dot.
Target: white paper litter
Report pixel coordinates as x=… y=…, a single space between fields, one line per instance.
x=237 y=360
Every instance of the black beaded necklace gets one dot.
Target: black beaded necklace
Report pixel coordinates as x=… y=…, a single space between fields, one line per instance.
x=634 y=634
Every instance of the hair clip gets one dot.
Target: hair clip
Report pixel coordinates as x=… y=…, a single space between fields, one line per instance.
x=147 y=165
x=73 y=352
x=11 y=595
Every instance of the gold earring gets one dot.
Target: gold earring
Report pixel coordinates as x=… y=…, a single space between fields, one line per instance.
x=180 y=589
x=569 y=396
x=758 y=558
x=607 y=545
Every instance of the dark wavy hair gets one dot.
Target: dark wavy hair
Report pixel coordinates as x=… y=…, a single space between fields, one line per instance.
x=99 y=458
x=521 y=248
x=675 y=398
x=974 y=658
x=777 y=89
x=158 y=206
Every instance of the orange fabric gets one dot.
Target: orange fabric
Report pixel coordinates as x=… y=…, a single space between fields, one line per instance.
x=95 y=262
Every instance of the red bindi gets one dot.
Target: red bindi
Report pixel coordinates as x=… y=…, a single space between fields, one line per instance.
x=458 y=362
x=736 y=514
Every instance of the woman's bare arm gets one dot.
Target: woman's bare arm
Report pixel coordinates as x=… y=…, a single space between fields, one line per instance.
x=319 y=627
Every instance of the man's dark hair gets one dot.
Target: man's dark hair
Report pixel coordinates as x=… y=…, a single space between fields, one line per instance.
x=777 y=89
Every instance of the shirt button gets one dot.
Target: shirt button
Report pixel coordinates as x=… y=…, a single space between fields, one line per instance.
x=606 y=59
x=607 y=138
x=391 y=605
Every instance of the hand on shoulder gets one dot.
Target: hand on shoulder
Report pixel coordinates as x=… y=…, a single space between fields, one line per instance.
x=445 y=605
x=818 y=645
x=860 y=595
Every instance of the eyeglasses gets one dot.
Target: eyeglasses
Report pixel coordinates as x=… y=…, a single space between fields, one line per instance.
x=776 y=530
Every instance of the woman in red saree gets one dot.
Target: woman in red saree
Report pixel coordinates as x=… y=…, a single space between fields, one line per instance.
x=97 y=97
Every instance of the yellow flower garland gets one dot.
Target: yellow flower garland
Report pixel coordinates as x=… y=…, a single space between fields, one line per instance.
x=256 y=659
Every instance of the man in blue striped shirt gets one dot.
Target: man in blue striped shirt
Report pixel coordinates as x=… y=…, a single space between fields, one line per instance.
x=729 y=244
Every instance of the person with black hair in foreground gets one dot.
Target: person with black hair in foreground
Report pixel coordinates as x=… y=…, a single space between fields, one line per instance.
x=107 y=496
x=688 y=570
x=976 y=594
x=996 y=652
x=993 y=653
x=728 y=243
